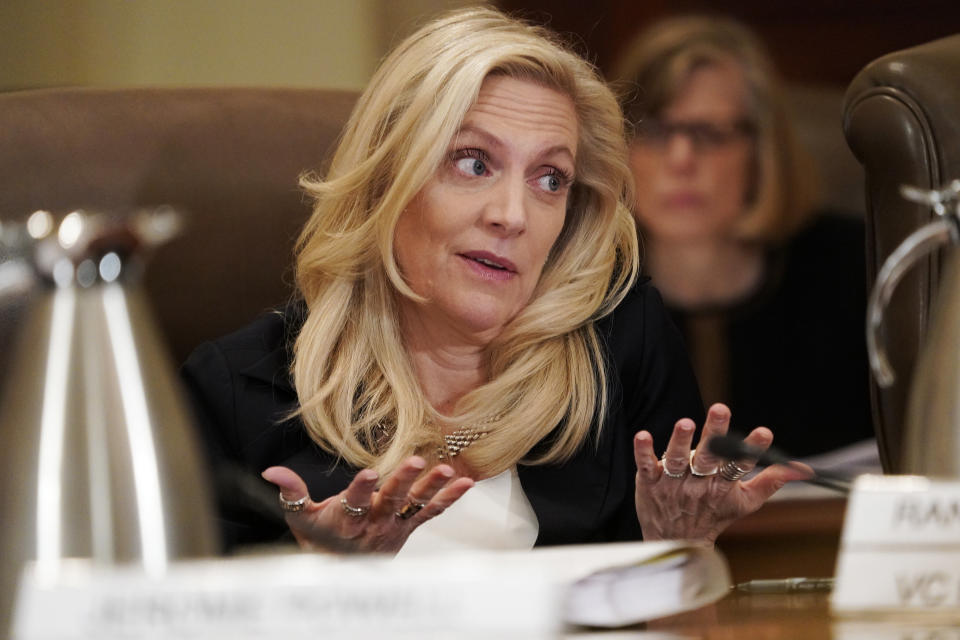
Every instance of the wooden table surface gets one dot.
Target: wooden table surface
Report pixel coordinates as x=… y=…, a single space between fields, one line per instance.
x=783 y=539
x=786 y=539
x=754 y=616
x=800 y=616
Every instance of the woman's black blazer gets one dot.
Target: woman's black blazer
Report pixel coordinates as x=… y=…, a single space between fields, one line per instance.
x=241 y=391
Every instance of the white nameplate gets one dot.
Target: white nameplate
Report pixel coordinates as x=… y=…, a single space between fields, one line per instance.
x=289 y=596
x=888 y=629
x=476 y=594
x=900 y=550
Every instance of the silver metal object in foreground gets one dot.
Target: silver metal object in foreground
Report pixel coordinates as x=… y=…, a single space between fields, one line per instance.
x=96 y=444
x=931 y=444
x=932 y=440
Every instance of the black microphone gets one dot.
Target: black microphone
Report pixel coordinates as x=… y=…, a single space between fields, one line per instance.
x=733 y=448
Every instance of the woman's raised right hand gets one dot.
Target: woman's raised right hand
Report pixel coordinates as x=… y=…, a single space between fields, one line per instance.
x=362 y=519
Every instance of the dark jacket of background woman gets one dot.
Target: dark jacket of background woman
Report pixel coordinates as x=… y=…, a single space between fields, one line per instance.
x=792 y=355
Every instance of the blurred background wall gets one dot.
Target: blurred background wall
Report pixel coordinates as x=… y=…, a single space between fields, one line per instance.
x=337 y=43
x=329 y=43
x=819 y=45
x=812 y=41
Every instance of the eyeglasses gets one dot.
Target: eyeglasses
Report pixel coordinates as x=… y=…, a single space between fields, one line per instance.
x=705 y=136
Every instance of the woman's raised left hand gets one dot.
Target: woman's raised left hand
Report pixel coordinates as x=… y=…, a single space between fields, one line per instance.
x=684 y=496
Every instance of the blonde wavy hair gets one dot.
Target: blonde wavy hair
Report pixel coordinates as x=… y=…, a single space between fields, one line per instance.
x=654 y=69
x=359 y=396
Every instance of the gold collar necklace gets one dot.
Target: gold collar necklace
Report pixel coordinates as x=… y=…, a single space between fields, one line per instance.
x=460 y=439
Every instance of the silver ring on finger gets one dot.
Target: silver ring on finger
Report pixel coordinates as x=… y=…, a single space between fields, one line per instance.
x=292 y=506
x=700 y=474
x=731 y=471
x=352 y=511
x=667 y=472
x=410 y=509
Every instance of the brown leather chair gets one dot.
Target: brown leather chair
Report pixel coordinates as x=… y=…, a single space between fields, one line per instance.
x=228 y=157
x=902 y=121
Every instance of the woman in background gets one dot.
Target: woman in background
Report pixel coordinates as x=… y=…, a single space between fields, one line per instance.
x=769 y=293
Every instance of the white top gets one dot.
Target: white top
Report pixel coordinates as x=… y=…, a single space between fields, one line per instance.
x=493 y=514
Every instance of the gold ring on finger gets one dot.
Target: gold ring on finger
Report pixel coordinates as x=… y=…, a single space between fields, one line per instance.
x=352 y=511
x=292 y=506
x=410 y=509
x=700 y=474
x=667 y=472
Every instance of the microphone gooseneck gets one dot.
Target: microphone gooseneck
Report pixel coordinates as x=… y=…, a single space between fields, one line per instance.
x=732 y=448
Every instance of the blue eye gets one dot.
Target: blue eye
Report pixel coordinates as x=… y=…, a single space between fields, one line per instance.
x=550 y=183
x=553 y=182
x=471 y=166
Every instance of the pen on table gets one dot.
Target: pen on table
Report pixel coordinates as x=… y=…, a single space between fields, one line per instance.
x=786 y=585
